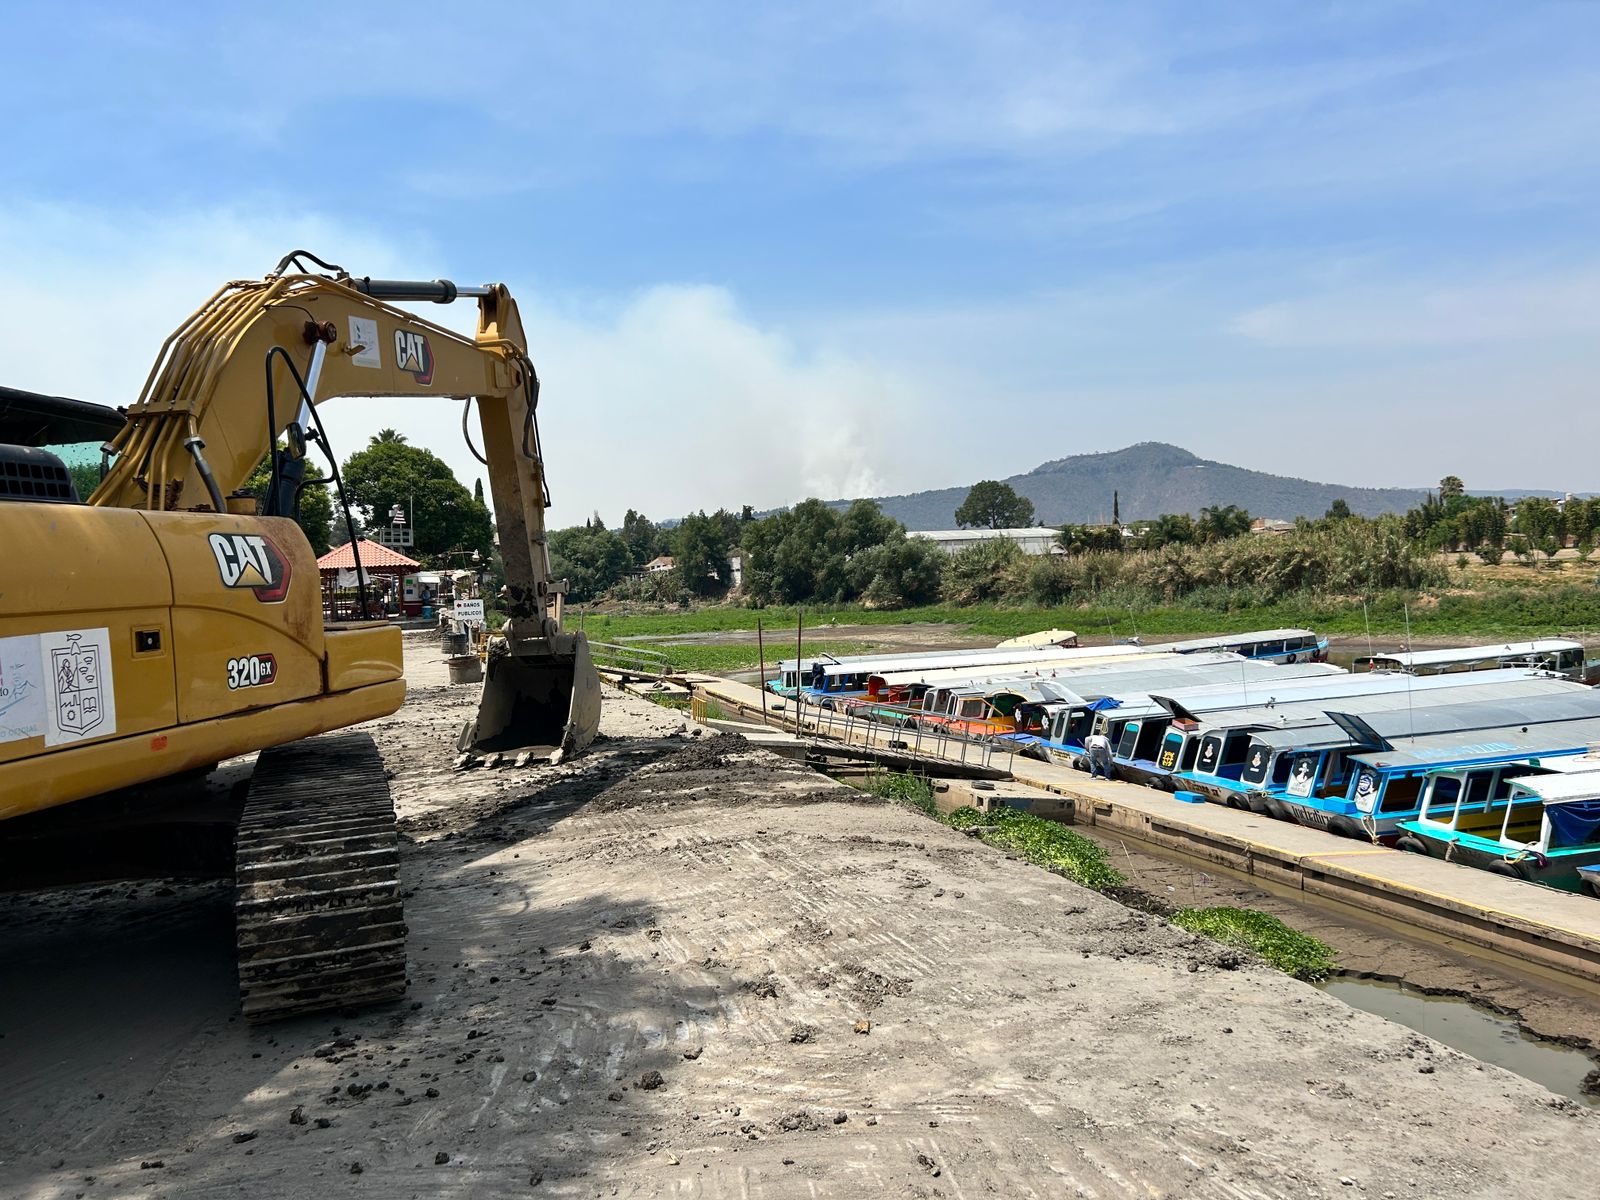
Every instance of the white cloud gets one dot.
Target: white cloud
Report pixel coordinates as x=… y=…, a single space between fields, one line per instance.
x=1470 y=312
x=680 y=401
x=668 y=400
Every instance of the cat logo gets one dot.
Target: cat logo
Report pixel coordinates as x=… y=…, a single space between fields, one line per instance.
x=414 y=355
x=251 y=560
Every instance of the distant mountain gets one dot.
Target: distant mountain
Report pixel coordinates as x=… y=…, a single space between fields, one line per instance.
x=1150 y=479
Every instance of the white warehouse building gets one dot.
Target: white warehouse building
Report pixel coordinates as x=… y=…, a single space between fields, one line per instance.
x=1038 y=540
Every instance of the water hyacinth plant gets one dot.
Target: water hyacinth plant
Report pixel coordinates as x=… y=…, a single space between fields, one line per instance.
x=1292 y=952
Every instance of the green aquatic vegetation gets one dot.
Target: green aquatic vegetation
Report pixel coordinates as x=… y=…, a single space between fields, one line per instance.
x=1043 y=843
x=904 y=789
x=1292 y=952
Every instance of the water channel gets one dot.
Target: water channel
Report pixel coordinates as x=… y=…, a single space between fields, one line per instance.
x=1486 y=1036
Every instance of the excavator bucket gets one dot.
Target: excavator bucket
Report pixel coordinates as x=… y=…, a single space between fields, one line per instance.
x=540 y=705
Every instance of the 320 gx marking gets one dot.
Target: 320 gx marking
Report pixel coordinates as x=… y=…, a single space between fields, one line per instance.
x=253 y=670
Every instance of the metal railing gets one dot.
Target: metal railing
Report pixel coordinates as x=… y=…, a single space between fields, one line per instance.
x=860 y=725
x=631 y=659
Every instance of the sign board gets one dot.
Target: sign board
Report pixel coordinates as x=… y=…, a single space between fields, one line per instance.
x=470 y=610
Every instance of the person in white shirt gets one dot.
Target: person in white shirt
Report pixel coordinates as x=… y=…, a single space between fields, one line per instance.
x=1099 y=747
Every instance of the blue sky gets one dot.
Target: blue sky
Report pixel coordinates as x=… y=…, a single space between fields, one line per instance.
x=771 y=252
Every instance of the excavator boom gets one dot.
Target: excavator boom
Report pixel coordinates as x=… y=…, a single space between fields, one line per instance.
x=249 y=366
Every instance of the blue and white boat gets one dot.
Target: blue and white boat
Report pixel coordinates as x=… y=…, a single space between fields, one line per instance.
x=1241 y=756
x=1386 y=783
x=1541 y=824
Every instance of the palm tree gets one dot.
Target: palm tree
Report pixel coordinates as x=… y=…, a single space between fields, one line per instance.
x=388 y=437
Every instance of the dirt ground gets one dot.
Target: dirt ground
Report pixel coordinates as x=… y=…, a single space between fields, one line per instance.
x=683 y=967
x=1555 y=1009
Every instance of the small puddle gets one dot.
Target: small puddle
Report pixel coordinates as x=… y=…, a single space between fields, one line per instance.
x=1484 y=1035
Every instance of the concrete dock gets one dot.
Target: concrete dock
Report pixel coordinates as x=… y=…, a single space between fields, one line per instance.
x=1558 y=931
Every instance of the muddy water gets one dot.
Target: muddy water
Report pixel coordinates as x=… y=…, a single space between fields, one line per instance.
x=1486 y=1036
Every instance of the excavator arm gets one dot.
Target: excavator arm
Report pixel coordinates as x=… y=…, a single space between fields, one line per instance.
x=238 y=375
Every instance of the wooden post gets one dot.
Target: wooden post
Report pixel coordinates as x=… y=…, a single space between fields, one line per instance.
x=799 y=702
x=761 y=670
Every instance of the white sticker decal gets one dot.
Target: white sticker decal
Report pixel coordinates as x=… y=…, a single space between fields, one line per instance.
x=253 y=670
x=364 y=333
x=22 y=700
x=81 y=701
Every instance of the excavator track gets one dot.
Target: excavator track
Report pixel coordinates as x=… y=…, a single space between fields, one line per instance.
x=318 y=907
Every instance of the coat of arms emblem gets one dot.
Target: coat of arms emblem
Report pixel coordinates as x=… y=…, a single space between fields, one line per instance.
x=79 y=701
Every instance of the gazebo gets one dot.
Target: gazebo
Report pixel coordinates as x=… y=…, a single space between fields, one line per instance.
x=391 y=581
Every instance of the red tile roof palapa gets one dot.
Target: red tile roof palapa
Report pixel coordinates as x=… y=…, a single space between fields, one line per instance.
x=373 y=557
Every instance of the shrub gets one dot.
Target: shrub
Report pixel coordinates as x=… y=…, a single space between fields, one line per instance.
x=988 y=571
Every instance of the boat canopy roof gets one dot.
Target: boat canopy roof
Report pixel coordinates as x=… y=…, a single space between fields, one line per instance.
x=1027 y=690
x=1391 y=717
x=1579 y=781
x=1476 y=745
x=1018 y=656
x=1065 y=669
x=1236 y=639
x=1517 y=699
x=1134 y=686
x=1301 y=689
x=1045 y=637
x=1409 y=659
x=1069 y=666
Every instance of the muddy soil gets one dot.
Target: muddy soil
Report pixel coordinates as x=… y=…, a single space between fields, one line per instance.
x=680 y=966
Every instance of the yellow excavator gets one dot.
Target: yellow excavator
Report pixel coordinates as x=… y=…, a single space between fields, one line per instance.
x=172 y=620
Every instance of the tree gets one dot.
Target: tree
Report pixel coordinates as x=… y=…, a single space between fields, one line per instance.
x=477 y=490
x=863 y=525
x=994 y=505
x=85 y=477
x=1171 y=529
x=1450 y=487
x=315 y=513
x=898 y=572
x=793 y=556
x=985 y=572
x=1539 y=519
x=1078 y=539
x=700 y=554
x=446 y=520
x=591 y=560
x=1116 y=508
x=644 y=540
x=1339 y=510
x=1218 y=523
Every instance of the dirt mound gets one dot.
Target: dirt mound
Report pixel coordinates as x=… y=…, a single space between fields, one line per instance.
x=720 y=769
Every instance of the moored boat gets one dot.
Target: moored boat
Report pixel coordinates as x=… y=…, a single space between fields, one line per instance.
x=1542 y=825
